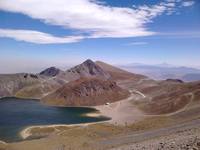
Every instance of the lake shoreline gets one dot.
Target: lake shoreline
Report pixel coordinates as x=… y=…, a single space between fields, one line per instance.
x=26 y=133
x=68 y=116
x=2 y=142
x=19 y=98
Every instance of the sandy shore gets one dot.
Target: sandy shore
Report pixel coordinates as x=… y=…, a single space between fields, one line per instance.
x=122 y=111
x=2 y=142
x=97 y=114
x=27 y=131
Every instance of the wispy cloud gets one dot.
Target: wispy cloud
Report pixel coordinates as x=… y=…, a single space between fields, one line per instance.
x=89 y=16
x=188 y=3
x=37 y=37
x=137 y=43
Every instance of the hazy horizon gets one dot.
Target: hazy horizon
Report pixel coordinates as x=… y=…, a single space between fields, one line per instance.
x=35 y=69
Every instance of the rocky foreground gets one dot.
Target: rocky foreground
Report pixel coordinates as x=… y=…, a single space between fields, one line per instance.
x=182 y=140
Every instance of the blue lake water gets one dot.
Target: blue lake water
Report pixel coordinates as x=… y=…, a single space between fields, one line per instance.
x=17 y=114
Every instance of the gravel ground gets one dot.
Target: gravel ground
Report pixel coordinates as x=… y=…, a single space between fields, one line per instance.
x=182 y=140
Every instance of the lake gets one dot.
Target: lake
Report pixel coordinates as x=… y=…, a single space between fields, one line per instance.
x=17 y=114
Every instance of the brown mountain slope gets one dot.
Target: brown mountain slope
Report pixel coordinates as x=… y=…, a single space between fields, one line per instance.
x=86 y=92
x=167 y=97
x=117 y=73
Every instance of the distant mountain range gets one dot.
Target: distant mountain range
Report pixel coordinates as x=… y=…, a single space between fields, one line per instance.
x=164 y=71
x=97 y=81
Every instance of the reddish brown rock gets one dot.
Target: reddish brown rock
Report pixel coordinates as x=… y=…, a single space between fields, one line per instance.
x=86 y=92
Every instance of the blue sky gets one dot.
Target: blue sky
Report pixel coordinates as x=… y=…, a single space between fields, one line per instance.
x=36 y=34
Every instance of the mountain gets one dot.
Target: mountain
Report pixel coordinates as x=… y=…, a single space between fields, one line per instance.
x=162 y=71
x=117 y=73
x=86 y=69
x=26 y=85
x=51 y=72
x=96 y=83
x=86 y=92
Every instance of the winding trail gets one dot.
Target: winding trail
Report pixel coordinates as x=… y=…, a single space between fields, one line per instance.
x=138 y=92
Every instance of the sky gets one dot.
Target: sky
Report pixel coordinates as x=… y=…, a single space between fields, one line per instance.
x=35 y=34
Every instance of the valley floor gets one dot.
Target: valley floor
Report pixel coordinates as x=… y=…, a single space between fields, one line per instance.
x=148 y=134
x=129 y=129
x=122 y=112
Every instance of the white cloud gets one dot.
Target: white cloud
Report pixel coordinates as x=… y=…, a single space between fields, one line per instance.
x=37 y=37
x=188 y=3
x=88 y=16
x=169 y=4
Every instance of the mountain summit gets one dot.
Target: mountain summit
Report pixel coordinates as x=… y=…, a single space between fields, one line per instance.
x=50 y=72
x=88 y=69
